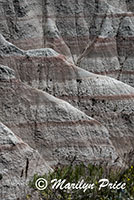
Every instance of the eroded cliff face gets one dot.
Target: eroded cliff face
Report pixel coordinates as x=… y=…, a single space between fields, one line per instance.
x=52 y=126
x=18 y=163
x=56 y=91
x=109 y=101
x=95 y=35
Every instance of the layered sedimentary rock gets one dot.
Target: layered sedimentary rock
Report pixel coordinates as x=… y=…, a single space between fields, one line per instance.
x=18 y=163
x=21 y=22
x=107 y=100
x=95 y=35
x=52 y=126
x=57 y=51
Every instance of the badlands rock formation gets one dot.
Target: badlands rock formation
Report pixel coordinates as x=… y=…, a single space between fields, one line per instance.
x=18 y=163
x=52 y=126
x=96 y=35
x=66 y=86
x=107 y=100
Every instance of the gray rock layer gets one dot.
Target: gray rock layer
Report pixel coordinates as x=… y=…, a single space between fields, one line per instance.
x=107 y=100
x=18 y=163
x=52 y=126
x=53 y=52
x=95 y=35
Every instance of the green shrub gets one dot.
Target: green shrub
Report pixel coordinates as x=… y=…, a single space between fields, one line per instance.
x=90 y=174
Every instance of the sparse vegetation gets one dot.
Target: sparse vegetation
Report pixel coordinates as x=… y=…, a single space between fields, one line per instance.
x=90 y=174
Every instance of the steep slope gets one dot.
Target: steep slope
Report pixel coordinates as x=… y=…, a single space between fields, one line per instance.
x=53 y=127
x=109 y=101
x=18 y=163
x=57 y=51
x=95 y=35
